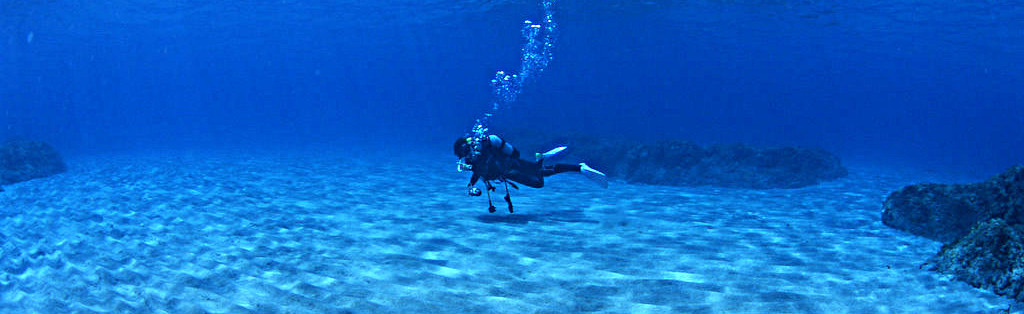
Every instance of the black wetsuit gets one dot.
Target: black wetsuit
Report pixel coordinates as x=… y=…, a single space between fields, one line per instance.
x=499 y=160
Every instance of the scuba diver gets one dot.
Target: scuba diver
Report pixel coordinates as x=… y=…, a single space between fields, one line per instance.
x=493 y=159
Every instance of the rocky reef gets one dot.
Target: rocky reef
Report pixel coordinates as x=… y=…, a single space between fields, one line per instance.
x=946 y=212
x=23 y=160
x=981 y=224
x=683 y=163
x=990 y=256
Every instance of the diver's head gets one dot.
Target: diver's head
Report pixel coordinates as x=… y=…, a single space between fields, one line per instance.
x=462 y=147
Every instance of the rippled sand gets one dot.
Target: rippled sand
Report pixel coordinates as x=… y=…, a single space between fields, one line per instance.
x=325 y=232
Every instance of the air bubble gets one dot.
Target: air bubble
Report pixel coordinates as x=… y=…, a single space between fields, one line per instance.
x=536 y=54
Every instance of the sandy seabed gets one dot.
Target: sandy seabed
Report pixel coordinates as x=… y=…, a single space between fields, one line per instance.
x=221 y=232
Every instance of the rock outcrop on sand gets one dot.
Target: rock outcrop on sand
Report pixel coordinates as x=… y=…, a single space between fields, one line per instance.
x=946 y=212
x=982 y=225
x=990 y=256
x=682 y=163
x=23 y=160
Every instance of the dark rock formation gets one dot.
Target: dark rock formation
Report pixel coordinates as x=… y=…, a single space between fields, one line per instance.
x=981 y=224
x=946 y=212
x=684 y=163
x=22 y=160
x=990 y=256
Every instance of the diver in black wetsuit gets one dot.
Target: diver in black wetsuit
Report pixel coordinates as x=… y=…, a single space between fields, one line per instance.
x=493 y=159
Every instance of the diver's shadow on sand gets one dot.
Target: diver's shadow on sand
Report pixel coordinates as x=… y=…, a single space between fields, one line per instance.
x=509 y=219
x=522 y=219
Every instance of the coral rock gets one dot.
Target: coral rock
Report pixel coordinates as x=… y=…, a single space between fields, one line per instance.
x=22 y=160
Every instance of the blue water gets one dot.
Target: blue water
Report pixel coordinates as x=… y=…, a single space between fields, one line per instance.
x=930 y=84
x=294 y=155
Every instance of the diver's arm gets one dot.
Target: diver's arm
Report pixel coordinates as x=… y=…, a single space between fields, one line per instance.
x=472 y=181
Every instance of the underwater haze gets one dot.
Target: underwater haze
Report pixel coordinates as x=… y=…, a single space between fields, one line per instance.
x=295 y=156
x=930 y=84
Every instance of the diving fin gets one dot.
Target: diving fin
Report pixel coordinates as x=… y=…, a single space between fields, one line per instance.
x=594 y=175
x=551 y=153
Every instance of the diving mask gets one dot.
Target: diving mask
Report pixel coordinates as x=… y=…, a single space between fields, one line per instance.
x=474 y=146
x=463 y=166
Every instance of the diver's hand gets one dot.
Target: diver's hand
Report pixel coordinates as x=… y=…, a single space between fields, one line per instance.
x=475 y=192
